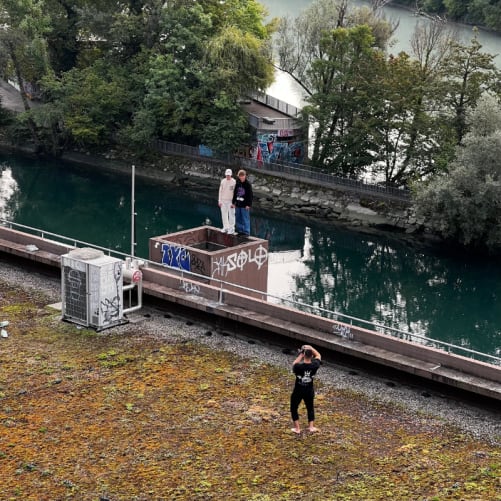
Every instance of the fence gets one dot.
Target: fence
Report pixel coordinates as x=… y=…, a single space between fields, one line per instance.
x=300 y=172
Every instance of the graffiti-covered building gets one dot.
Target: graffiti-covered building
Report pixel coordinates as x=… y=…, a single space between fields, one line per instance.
x=277 y=135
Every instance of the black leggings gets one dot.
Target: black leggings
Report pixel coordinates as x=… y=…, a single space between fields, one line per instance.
x=306 y=393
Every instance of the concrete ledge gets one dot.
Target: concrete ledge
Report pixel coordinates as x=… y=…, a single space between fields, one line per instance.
x=38 y=256
x=422 y=361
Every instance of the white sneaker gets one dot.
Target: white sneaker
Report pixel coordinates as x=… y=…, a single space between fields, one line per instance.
x=230 y=232
x=223 y=230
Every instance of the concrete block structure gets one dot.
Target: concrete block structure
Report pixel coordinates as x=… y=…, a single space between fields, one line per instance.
x=278 y=135
x=206 y=251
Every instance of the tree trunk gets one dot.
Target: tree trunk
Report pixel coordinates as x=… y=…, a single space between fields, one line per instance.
x=24 y=97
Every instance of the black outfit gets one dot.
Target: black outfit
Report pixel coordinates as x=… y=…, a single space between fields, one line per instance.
x=242 y=194
x=303 y=388
x=242 y=198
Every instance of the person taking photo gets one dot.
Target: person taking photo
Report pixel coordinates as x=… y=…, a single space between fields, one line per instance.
x=305 y=366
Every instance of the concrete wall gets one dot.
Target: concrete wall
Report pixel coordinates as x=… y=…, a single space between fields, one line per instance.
x=207 y=251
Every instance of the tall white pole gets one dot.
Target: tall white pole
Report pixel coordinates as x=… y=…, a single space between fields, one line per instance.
x=133 y=214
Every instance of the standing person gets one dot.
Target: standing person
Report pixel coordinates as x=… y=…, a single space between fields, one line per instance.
x=304 y=367
x=225 y=203
x=242 y=201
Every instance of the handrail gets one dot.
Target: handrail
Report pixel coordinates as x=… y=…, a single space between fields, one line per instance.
x=316 y=310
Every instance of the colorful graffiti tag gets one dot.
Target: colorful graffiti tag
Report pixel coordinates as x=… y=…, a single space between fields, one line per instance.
x=272 y=148
x=176 y=257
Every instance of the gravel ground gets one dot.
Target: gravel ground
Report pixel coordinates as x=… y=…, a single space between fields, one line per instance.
x=483 y=423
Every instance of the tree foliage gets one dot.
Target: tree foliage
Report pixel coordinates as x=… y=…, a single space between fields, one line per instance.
x=395 y=117
x=299 y=41
x=468 y=73
x=138 y=69
x=341 y=107
x=464 y=203
x=481 y=13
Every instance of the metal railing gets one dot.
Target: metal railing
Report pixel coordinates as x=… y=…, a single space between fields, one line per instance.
x=314 y=310
x=300 y=172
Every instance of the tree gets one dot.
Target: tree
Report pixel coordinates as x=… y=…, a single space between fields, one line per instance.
x=299 y=41
x=137 y=69
x=457 y=9
x=85 y=106
x=468 y=73
x=197 y=71
x=227 y=126
x=341 y=106
x=22 y=39
x=404 y=135
x=426 y=135
x=464 y=204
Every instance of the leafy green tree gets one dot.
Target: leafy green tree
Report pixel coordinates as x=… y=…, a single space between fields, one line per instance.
x=457 y=9
x=341 y=106
x=227 y=126
x=427 y=135
x=464 y=204
x=299 y=41
x=136 y=69
x=86 y=105
x=24 y=25
x=492 y=16
x=468 y=73
x=197 y=71
x=401 y=129
x=433 y=6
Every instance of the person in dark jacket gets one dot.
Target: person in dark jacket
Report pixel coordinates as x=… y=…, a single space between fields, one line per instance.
x=305 y=366
x=242 y=201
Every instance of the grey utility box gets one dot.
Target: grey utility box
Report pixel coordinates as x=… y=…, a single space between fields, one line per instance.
x=92 y=286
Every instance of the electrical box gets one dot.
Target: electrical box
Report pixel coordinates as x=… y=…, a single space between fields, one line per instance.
x=92 y=288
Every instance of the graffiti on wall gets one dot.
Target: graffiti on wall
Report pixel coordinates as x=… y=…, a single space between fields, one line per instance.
x=176 y=257
x=222 y=266
x=342 y=330
x=110 y=306
x=274 y=148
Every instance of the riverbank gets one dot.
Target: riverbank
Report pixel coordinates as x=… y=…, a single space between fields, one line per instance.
x=105 y=416
x=275 y=194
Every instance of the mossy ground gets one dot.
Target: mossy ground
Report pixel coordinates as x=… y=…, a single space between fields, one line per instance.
x=125 y=416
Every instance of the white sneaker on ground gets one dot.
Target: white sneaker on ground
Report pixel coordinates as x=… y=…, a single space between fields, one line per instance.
x=223 y=230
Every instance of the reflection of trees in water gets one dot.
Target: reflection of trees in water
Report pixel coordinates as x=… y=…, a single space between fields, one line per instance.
x=281 y=234
x=9 y=192
x=389 y=283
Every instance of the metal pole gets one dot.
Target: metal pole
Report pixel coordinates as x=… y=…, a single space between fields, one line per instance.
x=133 y=214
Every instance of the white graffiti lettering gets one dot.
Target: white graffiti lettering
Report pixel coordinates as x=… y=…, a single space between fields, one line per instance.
x=190 y=287
x=239 y=260
x=342 y=330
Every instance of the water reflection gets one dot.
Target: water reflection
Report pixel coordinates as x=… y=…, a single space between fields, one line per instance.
x=392 y=284
x=8 y=189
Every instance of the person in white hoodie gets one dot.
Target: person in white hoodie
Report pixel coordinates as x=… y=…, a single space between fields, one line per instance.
x=226 y=189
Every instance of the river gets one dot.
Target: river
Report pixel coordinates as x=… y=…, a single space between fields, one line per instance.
x=446 y=297
x=285 y=89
